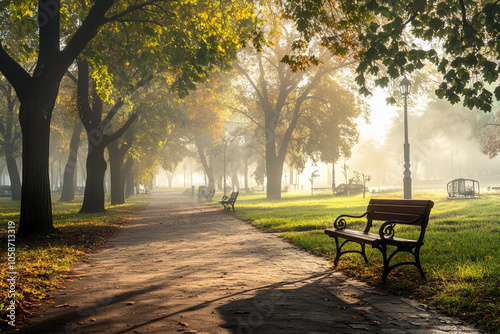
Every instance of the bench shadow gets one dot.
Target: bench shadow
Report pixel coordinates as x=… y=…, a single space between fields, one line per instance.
x=303 y=306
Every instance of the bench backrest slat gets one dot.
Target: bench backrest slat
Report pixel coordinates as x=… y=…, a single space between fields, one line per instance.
x=400 y=209
x=234 y=195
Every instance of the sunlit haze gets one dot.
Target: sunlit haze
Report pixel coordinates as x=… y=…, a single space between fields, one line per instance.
x=381 y=118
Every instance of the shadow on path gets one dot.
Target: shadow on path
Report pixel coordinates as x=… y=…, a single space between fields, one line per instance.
x=185 y=266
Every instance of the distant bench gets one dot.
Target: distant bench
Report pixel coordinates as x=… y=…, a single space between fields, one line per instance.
x=206 y=193
x=5 y=191
x=393 y=212
x=229 y=201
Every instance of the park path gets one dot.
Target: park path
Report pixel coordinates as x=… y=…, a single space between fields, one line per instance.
x=181 y=266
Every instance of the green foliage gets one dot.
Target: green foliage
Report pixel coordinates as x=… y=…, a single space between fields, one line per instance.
x=458 y=37
x=151 y=138
x=460 y=255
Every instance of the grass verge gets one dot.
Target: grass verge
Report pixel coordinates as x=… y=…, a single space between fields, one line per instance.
x=460 y=256
x=42 y=262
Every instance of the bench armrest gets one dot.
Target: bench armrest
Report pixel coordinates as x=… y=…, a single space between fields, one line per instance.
x=340 y=223
x=386 y=231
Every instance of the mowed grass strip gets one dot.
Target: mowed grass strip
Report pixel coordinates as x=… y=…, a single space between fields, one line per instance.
x=42 y=262
x=461 y=255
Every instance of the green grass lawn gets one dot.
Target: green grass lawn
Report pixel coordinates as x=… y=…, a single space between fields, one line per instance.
x=461 y=255
x=41 y=262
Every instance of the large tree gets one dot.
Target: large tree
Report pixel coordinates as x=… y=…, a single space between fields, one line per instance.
x=37 y=89
x=100 y=135
x=206 y=113
x=70 y=169
x=283 y=100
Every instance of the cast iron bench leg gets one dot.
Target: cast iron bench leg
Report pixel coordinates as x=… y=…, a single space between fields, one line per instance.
x=417 y=261
x=339 y=252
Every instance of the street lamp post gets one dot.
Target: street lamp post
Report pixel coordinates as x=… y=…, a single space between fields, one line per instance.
x=404 y=87
x=224 y=185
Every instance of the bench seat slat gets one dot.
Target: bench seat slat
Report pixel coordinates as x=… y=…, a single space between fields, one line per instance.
x=404 y=202
x=385 y=216
x=366 y=238
x=413 y=210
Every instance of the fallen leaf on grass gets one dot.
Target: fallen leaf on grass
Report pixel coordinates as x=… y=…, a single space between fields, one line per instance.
x=185 y=324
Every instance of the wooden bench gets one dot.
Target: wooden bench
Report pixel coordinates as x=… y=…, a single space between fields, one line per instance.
x=206 y=193
x=5 y=191
x=229 y=201
x=210 y=195
x=394 y=213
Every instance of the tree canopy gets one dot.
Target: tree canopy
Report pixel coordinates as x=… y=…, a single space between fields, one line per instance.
x=395 y=38
x=288 y=106
x=201 y=35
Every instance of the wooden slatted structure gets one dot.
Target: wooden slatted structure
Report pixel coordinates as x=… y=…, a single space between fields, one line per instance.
x=392 y=212
x=228 y=202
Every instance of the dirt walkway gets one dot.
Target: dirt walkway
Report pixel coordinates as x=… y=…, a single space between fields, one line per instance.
x=183 y=266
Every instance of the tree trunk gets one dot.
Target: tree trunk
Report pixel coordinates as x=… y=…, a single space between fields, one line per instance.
x=209 y=171
x=235 y=182
x=129 y=184
x=219 y=182
x=170 y=177
x=246 y=173
x=333 y=178
x=274 y=171
x=98 y=130
x=115 y=166
x=2 y=167
x=83 y=172
x=125 y=175
x=15 y=180
x=68 y=188
x=119 y=170
x=36 y=204
x=93 y=200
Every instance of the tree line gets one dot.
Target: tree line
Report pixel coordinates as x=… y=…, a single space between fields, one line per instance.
x=148 y=80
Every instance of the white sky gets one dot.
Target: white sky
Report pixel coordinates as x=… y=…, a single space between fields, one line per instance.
x=380 y=119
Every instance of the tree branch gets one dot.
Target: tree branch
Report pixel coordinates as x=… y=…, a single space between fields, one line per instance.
x=120 y=101
x=248 y=116
x=131 y=10
x=87 y=31
x=249 y=79
x=49 y=32
x=121 y=131
x=13 y=72
x=124 y=148
x=2 y=130
x=464 y=13
x=72 y=77
x=82 y=96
